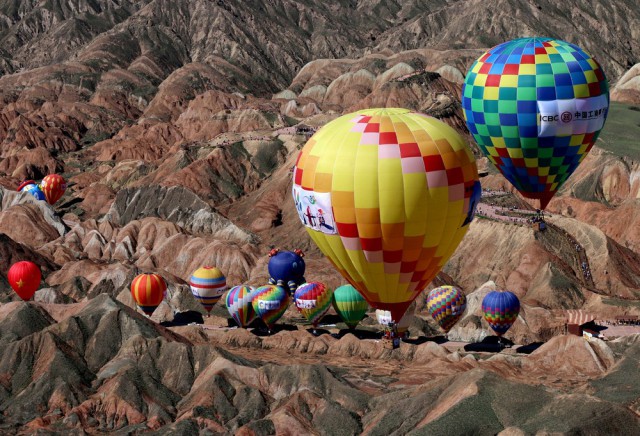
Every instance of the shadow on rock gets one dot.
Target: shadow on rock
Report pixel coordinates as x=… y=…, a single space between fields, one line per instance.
x=528 y=349
x=490 y=344
x=184 y=318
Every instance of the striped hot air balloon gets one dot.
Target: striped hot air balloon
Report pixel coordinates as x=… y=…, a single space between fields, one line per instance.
x=148 y=291
x=387 y=195
x=53 y=187
x=446 y=304
x=207 y=286
x=238 y=302
x=313 y=300
x=269 y=303
x=500 y=309
x=24 y=277
x=350 y=305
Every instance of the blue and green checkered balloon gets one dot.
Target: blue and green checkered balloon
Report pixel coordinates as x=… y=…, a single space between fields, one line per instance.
x=535 y=106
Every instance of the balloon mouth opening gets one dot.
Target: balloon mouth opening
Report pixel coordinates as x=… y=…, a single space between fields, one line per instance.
x=543 y=197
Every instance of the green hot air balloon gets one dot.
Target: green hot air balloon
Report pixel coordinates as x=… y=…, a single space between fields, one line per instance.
x=350 y=305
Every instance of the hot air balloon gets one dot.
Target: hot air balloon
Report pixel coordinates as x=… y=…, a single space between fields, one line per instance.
x=25 y=183
x=349 y=304
x=500 y=309
x=313 y=300
x=53 y=187
x=286 y=268
x=24 y=277
x=35 y=191
x=270 y=303
x=535 y=106
x=446 y=304
x=148 y=291
x=207 y=286
x=395 y=188
x=238 y=302
x=385 y=319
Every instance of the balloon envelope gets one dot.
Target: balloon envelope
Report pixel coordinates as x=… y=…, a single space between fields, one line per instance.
x=385 y=318
x=207 y=286
x=286 y=267
x=35 y=191
x=238 y=302
x=313 y=300
x=349 y=304
x=446 y=304
x=24 y=277
x=270 y=303
x=386 y=195
x=148 y=291
x=500 y=309
x=53 y=187
x=535 y=106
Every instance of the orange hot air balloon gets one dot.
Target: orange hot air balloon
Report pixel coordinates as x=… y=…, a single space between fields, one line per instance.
x=53 y=187
x=148 y=291
x=24 y=277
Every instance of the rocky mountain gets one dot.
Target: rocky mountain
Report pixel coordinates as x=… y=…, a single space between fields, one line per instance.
x=176 y=125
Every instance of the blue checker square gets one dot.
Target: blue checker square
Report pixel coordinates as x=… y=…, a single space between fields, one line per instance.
x=578 y=78
x=514 y=59
x=478 y=117
x=528 y=131
x=563 y=92
x=509 y=119
x=496 y=68
x=562 y=141
x=546 y=93
x=563 y=79
x=529 y=120
x=574 y=67
x=527 y=107
x=546 y=142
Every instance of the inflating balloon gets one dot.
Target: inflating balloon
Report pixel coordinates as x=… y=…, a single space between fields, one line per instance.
x=24 y=277
x=386 y=194
x=349 y=305
x=207 y=286
x=385 y=318
x=500 y=309
x=53 y=187
x=535 y=106
x=35 y=191
x=269 y=303
x=148 y=291
x=238 y=302
x=286 y=268
x=446 y=304
x=313 y=300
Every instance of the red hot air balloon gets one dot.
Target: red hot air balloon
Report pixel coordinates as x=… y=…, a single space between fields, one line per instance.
x=24 y=277
x=148 y=291
x=53 y=187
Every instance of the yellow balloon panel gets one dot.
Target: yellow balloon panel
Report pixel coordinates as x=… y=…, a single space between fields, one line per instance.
x=386 y=195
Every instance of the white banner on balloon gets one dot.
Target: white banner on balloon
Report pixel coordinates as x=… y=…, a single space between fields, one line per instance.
x=575 y=116
x=268 y=305
x=305 y=304
x=314 y=210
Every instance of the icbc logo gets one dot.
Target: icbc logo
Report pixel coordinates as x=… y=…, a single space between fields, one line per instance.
x=566 y=117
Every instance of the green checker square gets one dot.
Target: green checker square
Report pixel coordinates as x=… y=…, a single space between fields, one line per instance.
x=492 y=119
x=511 y=142
x=555 y=58
x=529 y=153
x=529 y=143
x=477 y=105
x=566 y=56
x=468 y=91
x=563 y=170
x=508 y=93
x=482 y=130
x=526 y=80
x=560 y=68
x=543 y=69
x=545 y=153
x=495 y=131
x=546 y=80
x=511 y=132
x=527 y=94
x=490 y=106
x=556 y=162
x=508 y=106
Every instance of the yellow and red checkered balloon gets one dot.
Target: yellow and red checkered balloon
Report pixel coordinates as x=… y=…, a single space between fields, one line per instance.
x=387 y=195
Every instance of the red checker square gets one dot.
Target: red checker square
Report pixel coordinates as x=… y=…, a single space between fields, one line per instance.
x=392 y=256
x=532 y=172
x=497 y=161
x=528 y=59
x=502 y=151
x=388 y=138
x=433 y=163
x=511 y=69
x=371 y=244
x=348 y=230
x=493 y=80
x=408 y=267
x=455 y=176
x=484 y=69
x=542 y=179
x=588 y=137
x=417 y=275
x=599 y=74
x=594 y=88
x=546 y=44
x=365 y=119
x=410 y=150
x=541 y=50
x=372 y=128
x=518 y=161
x=298 y=176
x=484 y=57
